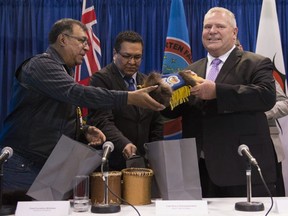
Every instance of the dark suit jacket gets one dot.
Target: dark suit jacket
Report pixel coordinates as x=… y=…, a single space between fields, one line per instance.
x=129 y=124
x=245 y=90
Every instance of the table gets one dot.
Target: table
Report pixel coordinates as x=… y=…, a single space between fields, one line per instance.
x=216 y=207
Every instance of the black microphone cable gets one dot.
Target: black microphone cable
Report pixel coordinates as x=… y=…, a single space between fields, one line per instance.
x=123 y=200
x=267 y=189
x=253 y=161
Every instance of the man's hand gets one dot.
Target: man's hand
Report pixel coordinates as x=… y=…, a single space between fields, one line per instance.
x=95 y=136
x=142 y=98
x=205 y=91
x=129 y=150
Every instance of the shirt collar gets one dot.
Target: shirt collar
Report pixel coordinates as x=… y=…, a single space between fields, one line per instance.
x=56 y=57
x=223 y=58
x=123 y=75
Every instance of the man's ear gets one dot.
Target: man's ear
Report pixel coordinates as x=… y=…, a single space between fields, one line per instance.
x=61 y=40
x=114 y=53
x=235 y=33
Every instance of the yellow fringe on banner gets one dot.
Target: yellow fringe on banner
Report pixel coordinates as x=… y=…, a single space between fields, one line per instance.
x=179 y=96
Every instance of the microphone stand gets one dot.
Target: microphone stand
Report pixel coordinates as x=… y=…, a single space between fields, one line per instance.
x=106 y=207
x=249 y=205
x=4 y=209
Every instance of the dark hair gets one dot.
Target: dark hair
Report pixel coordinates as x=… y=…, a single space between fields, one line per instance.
x=62 y=25
x=127 y=36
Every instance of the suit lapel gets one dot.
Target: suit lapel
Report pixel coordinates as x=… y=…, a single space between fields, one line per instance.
x=122 y=86
x=201 y=70
x=139 y=80
x=118 y=78
x=229 y=64
x=199 y=67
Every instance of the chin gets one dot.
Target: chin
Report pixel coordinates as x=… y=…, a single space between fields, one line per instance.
x=212 y=48
x=130 y=73
x=79 y=62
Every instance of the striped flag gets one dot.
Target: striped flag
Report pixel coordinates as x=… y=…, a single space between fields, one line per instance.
x=91 y=63
x=269 y=44
x=177 y=56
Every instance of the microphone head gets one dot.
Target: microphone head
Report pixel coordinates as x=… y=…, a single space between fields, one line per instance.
x=7 y=150
x=108 y=144
x=241 y=148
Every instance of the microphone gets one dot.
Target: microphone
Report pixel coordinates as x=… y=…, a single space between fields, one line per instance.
x=243 y=149
x=108 y=147
x=249 y=205
x=6 y=153
x=107 y=207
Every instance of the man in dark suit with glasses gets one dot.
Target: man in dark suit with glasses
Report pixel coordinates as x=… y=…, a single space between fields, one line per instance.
x=128 y=127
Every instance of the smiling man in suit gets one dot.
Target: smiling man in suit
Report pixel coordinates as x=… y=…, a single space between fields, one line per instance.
x=228 y=109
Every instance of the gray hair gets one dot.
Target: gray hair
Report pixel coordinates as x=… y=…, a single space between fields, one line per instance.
x=62 y=25
x=232 y=20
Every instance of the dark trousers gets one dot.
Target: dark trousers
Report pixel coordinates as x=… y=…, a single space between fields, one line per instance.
x=280 y=181
x=18 y=175
x=210 y=190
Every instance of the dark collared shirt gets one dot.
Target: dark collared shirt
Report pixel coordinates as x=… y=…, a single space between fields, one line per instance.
x=43 y=105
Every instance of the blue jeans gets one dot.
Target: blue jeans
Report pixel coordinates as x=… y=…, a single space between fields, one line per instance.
x=19 y=173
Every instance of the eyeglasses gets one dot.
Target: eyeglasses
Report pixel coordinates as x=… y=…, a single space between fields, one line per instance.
x=82 y=40
x=137 y=58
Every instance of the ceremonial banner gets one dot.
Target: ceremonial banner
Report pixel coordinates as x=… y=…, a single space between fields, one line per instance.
x=177 y=56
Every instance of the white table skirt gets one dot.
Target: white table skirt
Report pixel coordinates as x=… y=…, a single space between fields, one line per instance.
x=216 y=207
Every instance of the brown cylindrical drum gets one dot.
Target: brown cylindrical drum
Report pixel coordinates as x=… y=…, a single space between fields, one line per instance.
x=137 y=185
x=97 y=187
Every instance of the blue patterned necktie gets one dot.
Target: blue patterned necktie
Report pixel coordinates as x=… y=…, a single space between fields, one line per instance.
x=130 y=81
x=214 y=69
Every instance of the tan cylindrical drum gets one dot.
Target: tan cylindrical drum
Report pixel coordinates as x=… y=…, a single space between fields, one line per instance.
x=97 y=187
x=137 y=185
